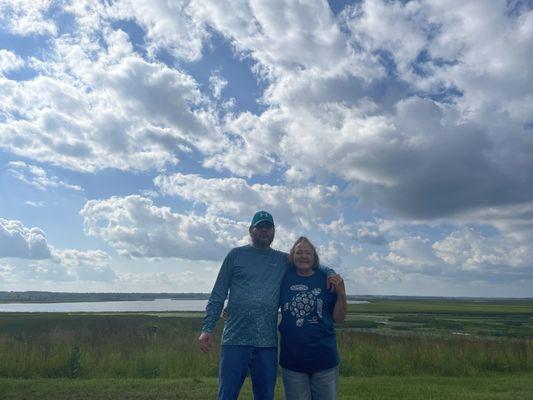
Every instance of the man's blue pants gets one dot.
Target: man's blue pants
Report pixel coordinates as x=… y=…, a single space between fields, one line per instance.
x=237 y=361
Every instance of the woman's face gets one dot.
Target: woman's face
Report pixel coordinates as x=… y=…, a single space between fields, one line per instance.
x=304 y=256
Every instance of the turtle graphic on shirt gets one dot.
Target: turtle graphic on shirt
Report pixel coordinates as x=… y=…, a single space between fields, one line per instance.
x=303 y=304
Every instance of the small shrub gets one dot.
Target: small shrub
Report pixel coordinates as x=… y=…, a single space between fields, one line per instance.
x=147 y=368
x=74 y=363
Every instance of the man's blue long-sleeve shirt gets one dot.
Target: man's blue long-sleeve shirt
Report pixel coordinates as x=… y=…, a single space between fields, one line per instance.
x=253 y=278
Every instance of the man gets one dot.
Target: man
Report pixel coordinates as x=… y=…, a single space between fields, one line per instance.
x=253 y=275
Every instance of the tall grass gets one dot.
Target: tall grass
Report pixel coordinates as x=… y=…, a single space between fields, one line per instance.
x=102 y=346
x=368 y=354
x=95 y=346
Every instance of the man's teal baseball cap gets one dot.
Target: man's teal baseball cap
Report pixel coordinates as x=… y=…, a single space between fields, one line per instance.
x=262 y=216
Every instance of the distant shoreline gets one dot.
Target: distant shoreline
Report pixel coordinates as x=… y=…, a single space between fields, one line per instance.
x=72 y=297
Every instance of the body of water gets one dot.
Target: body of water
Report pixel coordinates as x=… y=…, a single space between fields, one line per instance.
x=114 y=306
x=108 y=306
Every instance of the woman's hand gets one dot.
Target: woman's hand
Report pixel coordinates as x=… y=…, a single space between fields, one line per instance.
x=337 y=284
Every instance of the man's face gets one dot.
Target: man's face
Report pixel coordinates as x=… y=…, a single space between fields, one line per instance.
x=262 y=234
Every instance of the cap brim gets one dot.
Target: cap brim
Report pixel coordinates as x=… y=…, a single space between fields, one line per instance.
x=263 y=220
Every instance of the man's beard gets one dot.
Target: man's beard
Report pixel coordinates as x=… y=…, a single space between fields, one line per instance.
x=262 y=243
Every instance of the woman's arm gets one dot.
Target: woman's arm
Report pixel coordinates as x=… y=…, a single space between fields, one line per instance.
x=339 y=312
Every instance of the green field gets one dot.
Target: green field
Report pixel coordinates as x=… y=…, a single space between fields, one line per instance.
x=499 y=387
x=389 y=349
x=502 y=318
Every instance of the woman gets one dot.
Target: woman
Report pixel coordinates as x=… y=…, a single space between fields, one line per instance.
x=308 y=348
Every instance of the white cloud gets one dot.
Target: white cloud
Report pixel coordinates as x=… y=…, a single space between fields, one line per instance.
x=9 y=61
x=514 y=221
x=147 y=280
x=167 y=25
x=494 y=72
x=168 y=282
x=366 y=275
x=75 y=258
x=242 y=160
x=56 y=273
x=34 y=203
x=58 y=265
x=281 y=35
x=401 y=29
x=307 y=61
x=45 y=271
x=258 y=142
x=27 y=17
x=218 y=83
x=18 y=241
x=336 y=228
x=413 y=252
x=331 y=255
x=136 y=227
x=465 y=254
x=471 y=250
x=332 y=138
x=478 y=47
x=302 y=206
x=90 y=265
x=6 y=273
x=96 y=107
x=370 y=236
x=37 y=176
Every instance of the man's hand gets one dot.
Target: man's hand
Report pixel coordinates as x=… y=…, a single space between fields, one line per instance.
x=205 y=340
x=336 y=284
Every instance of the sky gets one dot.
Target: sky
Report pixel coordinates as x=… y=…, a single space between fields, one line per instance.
x=137 y=139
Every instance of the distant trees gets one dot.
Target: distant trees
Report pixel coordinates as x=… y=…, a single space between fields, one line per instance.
x=62 y=297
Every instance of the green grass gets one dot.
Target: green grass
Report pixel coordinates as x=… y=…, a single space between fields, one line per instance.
x=464 y=307
x=389 y=350
x=150 y=346
x=498 y=387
